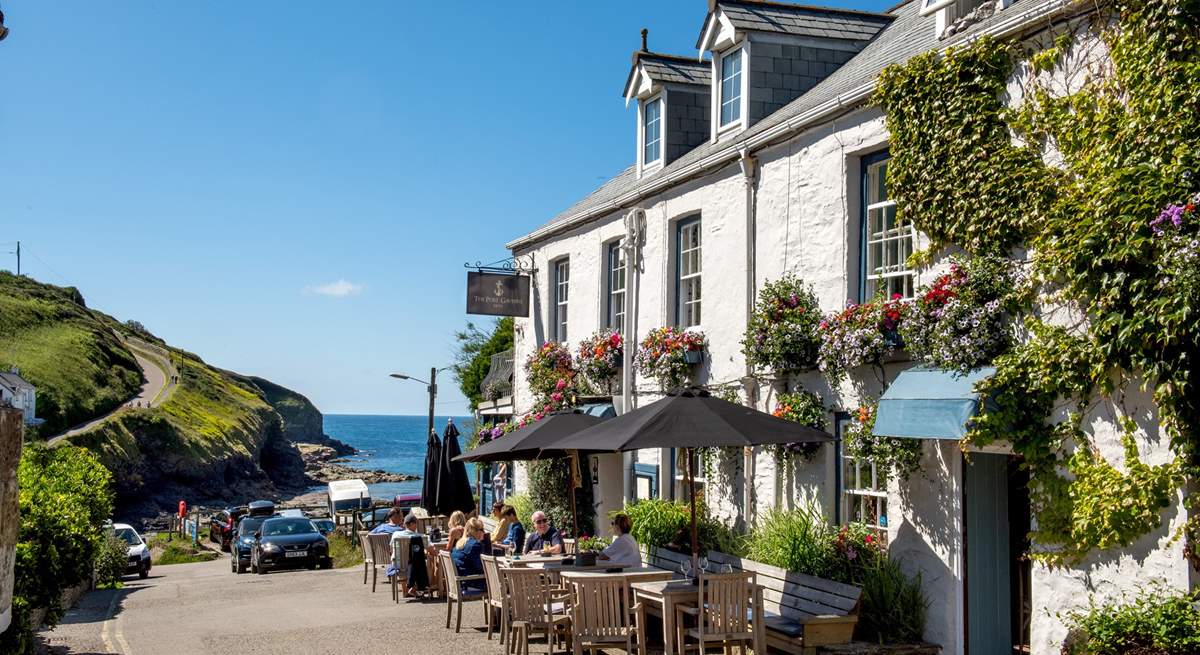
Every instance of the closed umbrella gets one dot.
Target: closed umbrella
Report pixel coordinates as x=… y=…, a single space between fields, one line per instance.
x=453 y=486
x=433 y=464
x=689 y=419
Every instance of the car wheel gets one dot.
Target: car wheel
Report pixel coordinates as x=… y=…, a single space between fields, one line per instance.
x=327 y=563
x=144 y=572
x=262 y=570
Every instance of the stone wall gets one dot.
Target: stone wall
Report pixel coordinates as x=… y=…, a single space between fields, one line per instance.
x=10 y=455
x=781 y=73
x=687 y=121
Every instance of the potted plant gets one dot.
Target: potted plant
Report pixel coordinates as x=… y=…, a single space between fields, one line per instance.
x=599 y=359
x=587 y=548
x=782 y=334
x=667 y=354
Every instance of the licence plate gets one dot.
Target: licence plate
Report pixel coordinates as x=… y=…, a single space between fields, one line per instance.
x=296 y=553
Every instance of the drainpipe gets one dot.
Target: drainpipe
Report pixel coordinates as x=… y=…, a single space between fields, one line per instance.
x=635 y=228
x=749 y=166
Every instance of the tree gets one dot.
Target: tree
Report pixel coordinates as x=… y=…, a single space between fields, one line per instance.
x=473 y=355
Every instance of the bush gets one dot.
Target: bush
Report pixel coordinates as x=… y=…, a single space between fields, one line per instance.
x=1158 y=622
x=799 y=540
x=64 y=500
x=667 y=524
x=524 y=507
x=110 y=561
x=892 y=607
x=548 y=482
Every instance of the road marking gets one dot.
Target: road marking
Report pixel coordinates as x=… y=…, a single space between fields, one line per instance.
x=125 y=649
x=108 y=619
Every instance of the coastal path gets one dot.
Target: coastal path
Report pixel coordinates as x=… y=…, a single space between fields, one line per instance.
x=203 y=608
x=157 y=370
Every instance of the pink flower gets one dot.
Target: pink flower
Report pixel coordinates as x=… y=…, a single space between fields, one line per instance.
x=561 y=384
x=556 y=396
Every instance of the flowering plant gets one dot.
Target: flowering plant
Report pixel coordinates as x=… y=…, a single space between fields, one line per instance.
x=961 y=321
x=663 y=354
x=806 y=408
x=782 y=334
x=856 y=550
x=551 y=373
x=890 y=454
x=1178 y=245
x=587 y=544
x=860 y=335
x=599 y=357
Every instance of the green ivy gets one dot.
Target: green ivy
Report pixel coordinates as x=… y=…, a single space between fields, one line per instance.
x=1128 y=145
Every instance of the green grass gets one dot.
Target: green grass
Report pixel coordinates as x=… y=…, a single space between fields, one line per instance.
x=169 y=549
x=80 y=368
x=344 y=553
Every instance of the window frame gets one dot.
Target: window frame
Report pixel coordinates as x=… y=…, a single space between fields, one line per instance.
x=866 y=278
x=560 y=301
x=850 y=497
x=658 y=99
x=614 y=311
x=739 y=52
x=930 y=6
x=680 y=309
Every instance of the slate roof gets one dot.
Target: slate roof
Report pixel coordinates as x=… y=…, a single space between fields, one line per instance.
x=800 y=20
x=670 y=69
x=14 y=381
x=908 y=35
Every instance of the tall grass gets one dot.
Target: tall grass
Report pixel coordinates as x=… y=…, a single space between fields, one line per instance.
x=664 y=523
x=799 y=540
x=893 y=607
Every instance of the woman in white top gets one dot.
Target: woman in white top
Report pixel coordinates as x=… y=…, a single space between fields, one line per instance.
x=623 y=550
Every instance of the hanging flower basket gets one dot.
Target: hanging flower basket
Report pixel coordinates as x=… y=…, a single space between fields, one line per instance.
x=668 y=355
x=550 y=373
x=861 y=335
x=599 y=359
x=891 y=455
x=806 y=408
x=783 y=332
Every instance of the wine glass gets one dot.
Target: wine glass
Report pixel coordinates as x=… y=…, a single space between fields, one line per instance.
x=685 y=567
x=703 y=566
x=726 y=568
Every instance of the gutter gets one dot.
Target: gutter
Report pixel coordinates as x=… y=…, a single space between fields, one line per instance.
x=1018 y=21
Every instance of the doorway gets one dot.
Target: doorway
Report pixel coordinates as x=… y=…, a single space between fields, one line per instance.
x=996 y=520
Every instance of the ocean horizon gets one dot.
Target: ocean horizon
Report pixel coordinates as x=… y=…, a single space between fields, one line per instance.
x=392 y=442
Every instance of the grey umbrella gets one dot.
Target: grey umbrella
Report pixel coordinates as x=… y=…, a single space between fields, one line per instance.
x=689 y=419
x=433 y=464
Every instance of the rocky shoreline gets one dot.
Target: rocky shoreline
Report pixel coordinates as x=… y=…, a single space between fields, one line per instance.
x=323 y=464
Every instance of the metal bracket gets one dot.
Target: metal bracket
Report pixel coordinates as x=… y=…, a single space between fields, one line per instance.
x=511 y=265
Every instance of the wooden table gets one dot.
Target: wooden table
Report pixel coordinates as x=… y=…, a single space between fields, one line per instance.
x=536 y=560
x=631 y=575
x=668 y=594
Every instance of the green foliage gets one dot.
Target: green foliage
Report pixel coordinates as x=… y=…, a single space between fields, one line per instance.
x=523 y=505
x=782 y=333
x=549 y=480
x=169 y=549
x=806 y=408
x=798 y=540
x=667 y=524
x=111 y=559
x=1159 y=621
x=893 y=608
x=1127 y=145
x=891 y=455
x=64 y=500
x=591 y=544
x=343 y=552
x=69 y=352
x=473 y=355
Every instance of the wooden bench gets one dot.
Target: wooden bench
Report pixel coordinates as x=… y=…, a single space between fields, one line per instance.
x=802 y=611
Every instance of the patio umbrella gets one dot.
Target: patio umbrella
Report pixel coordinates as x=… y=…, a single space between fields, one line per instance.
x=689 y=419
x=453 y=486
x=533 y=442
x=433 y=464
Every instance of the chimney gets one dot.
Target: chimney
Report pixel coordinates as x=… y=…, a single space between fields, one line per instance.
x=645 y=33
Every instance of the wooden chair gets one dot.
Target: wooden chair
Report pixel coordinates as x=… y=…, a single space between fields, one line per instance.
x=368 y=556
x=497 y=599
x=455 y=594
x=722 y=614
x=601 y=616
x=568 y=546
x=532 y=607
x=380 y=546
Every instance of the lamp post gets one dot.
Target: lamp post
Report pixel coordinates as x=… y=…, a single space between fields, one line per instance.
x=431 y=386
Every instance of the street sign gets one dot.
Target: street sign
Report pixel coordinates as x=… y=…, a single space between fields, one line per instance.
x=497 y=294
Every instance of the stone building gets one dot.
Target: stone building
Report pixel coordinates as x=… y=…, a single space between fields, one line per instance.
x=787 y=179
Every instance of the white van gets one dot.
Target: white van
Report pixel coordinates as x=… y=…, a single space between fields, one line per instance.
x=345 y=496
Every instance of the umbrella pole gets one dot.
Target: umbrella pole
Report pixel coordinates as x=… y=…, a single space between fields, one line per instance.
x=692 y=492
x=571 y=493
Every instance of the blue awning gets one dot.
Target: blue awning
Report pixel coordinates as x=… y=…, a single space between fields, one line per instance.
x=928 y=403
x=599 y=410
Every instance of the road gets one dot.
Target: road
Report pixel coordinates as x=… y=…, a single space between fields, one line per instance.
x=204 y=609
x=153 y=392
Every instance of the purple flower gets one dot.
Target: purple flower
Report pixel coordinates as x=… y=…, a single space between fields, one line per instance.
x=497 y=431
x=1172 y=214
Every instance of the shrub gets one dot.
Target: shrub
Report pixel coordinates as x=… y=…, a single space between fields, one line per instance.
x=1157 y=622
x=667 y=524
x=798 y=540
x=892 y=607
x=548 y=482
x=110 y=561
x=523 y=504
x=782 y=333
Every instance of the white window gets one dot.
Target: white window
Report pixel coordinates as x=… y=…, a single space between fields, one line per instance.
x=688 y=267
x=930 y=6
x=682 y=489
x=615 y=287
x=652 y=131
x=562 y=288
x=887 y=244
x=864 y=496
x=731 y=88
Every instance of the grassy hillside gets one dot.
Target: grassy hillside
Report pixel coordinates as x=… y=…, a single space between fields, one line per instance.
x=69 y=352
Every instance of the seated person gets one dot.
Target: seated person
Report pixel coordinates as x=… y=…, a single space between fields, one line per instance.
x=502 y=524
x=421 y=558
x=544 y=537
x=394 y=522
x=515 y=534
x=468 y=552
x=454 y=528
x=623 y=550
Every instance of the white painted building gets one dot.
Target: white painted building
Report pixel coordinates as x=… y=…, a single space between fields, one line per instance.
x=781 y=181
x=17 y=392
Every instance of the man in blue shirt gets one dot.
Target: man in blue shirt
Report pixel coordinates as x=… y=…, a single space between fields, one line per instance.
x=544 y=536
x=394 y=523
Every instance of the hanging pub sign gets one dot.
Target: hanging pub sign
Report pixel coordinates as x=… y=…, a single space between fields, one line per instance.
x=497 y=294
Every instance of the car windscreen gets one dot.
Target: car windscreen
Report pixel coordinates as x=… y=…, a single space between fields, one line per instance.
x=129 y=536
x=249 y=525
x=280 y=527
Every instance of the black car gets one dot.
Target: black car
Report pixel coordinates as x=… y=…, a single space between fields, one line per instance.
x=324 y=526
x=261 y=508
x=222 y=525
x=283 y=542
x=243 y=542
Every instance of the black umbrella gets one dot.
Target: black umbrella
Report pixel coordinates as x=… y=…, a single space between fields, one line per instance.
x=533 y=441
x=453 y=486
x=433 y=464
x=689 y=419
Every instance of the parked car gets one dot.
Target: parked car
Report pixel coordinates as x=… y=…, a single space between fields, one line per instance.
x=284 y=542
x=139 y=553
x=261 y=508
x=222 y=524
x=243 y=542
x=324 y=526
x=292 y=513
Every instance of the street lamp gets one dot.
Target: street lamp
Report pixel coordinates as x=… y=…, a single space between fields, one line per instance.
x=431 y=386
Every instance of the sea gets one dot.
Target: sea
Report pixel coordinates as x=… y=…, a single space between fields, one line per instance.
x=395 y=444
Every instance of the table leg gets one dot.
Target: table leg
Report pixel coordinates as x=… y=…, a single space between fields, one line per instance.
x=759 y=629
x=668 y=610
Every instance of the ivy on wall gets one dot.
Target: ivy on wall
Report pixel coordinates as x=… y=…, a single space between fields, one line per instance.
x=1129 y=143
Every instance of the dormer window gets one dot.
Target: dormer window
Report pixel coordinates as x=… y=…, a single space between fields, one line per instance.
x=954 y=16
x=731 y=88
x=652 y=132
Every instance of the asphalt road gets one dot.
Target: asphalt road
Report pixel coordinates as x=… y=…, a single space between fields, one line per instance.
x=204 y=608
x=151 y=394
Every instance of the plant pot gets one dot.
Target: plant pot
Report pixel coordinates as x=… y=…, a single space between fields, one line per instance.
x=585 y=558
x=693 y=356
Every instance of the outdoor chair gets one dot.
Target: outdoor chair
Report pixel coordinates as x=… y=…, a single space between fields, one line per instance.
x=368 y=557
x=601 y=616
x=497 y=599
x=722 y=615
x=380 y=546
x=405 y=551
x=455 y=593
x=568 y=546
x=533 y=607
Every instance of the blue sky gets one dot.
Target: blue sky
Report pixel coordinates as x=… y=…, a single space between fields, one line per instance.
x=290 y=189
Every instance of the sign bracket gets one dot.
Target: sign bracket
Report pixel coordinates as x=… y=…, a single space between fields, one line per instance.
x=509 y=266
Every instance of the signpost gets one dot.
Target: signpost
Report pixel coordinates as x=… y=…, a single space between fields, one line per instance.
x=497 y=294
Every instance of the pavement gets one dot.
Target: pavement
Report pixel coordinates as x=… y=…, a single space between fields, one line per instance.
x=153 y=392
x=204 y=608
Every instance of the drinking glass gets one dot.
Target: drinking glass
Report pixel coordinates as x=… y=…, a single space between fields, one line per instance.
x=703 y=566
x=726 y=568
x=685 y=567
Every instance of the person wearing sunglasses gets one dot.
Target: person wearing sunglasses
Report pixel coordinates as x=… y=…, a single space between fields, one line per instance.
x=544 y=538
x=624 y=549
